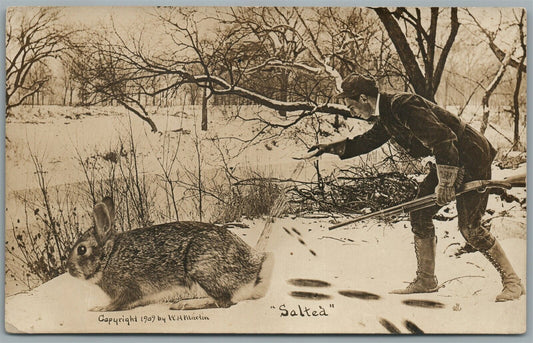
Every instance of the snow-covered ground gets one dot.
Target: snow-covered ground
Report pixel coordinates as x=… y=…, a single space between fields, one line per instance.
x=371 y=257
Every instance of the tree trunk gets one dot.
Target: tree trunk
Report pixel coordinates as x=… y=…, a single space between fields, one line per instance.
x=70 y=98
x=284 y=94
x=337 y=124
x=516 y=109
x=409 y=62
x=204 y=110
x=425 y=85
x=65 y=96
x=488 y=92
x=516 y=95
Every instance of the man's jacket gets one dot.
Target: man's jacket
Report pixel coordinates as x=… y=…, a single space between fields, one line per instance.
x=422 y=128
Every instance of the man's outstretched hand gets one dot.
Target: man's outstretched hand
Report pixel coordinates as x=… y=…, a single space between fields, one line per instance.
x=312 y=153
x=317 y=150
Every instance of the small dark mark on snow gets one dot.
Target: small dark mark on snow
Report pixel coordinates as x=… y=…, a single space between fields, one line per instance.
x=412 y=327
x=301 y=241
x=309 y=295
x=475 y=265
x=423 y=303
x=334 y=238
x=389 y=326
x=287 y=231
x=296 y=231
x=308 y=283
x=312 y=252
x=359 y=295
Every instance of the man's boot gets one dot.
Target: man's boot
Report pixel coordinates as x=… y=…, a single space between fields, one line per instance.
x=425 y=281
x=512 y=285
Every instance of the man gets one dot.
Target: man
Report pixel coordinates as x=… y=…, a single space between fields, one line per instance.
x=422 y=128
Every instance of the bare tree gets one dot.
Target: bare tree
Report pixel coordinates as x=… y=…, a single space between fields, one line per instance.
x=108 y=73
x=490 y=89
x=117 y=66
x=425 y=82
x=507 y=57
x=492 y=36
x=32 y=40
x=286 y=59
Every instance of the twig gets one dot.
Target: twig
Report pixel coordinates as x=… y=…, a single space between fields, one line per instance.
x=316 y=216
x=495 y=129
x=442 y=285
x=334 y=238
x=449 y=245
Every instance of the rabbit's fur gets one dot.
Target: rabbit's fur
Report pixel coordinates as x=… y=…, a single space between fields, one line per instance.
x=192 y=264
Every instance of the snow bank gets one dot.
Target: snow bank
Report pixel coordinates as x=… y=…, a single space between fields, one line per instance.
x=370 y=257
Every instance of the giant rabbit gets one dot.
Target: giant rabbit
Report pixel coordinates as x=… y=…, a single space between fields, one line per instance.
x=194 y=265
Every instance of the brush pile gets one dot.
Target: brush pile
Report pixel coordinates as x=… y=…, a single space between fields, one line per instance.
x=354 y=190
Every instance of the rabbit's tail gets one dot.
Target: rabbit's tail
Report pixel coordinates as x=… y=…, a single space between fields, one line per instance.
x=258 y=287
x=262 y=282
x=280 y=207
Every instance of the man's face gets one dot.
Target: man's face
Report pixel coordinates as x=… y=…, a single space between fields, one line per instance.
x=364 y=108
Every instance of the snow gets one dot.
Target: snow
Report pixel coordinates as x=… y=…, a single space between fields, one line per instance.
x=373 y=256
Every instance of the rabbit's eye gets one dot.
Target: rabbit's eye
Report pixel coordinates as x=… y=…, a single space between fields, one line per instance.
x=82 y=250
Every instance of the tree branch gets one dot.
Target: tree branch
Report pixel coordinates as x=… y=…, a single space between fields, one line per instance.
x=454 y=22
x=407 y=56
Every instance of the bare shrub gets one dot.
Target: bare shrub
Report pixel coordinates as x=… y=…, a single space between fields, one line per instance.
x=252 y=197
x=118 y=172
x=352 y=190
x=41 y=237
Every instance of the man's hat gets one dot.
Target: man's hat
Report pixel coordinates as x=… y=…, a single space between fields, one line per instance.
x=355 y=84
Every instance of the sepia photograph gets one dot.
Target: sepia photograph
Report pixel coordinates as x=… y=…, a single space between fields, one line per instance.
x=266 y=170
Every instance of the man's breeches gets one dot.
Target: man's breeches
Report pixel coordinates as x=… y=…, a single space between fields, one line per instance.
x=470 y=209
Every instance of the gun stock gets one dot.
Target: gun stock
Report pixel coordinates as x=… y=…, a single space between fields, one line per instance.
x=517 y=180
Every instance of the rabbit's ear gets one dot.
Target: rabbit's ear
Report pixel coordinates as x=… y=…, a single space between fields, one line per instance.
x=102 y=220
x=108 y=201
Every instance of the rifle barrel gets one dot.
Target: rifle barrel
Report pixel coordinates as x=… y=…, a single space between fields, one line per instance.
x=429 y=200
x=413 y=205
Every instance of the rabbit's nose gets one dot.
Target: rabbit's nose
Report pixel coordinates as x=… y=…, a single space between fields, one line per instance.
x=72 y=269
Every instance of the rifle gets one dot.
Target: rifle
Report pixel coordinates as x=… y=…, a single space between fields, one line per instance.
x=480 y=186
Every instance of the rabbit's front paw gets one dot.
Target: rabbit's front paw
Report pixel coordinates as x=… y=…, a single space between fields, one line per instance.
x=193 y=304
x=99 y=309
